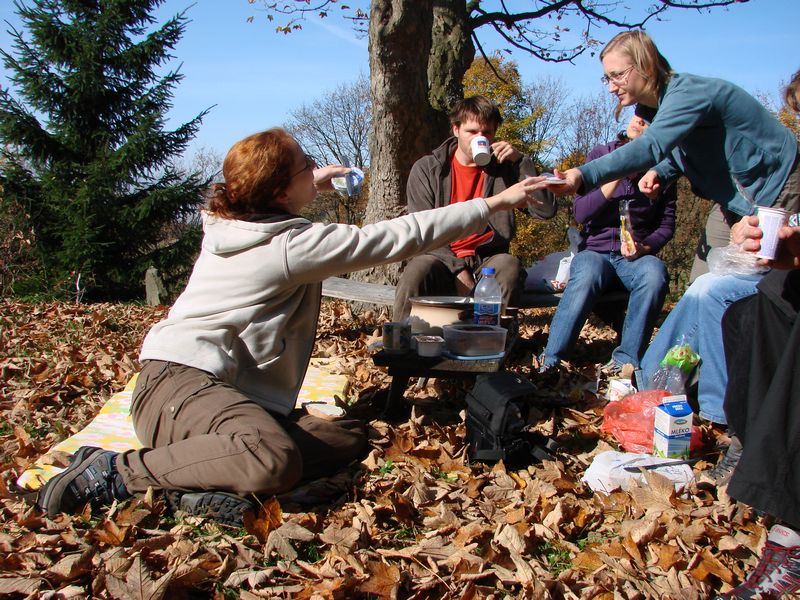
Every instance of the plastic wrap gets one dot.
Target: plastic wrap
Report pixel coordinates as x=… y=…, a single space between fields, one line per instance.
x=732 y=260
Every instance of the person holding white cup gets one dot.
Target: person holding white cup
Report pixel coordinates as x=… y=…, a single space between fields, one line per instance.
x=761 y=335
x=469 y=164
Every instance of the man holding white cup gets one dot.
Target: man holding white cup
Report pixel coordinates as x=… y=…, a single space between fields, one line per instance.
x=470 y=164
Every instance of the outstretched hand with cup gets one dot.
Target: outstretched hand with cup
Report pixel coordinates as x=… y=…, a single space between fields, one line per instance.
x=568 y=182
x=516 y=196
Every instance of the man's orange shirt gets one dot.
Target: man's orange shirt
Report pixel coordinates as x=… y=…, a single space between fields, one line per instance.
x=466 y=184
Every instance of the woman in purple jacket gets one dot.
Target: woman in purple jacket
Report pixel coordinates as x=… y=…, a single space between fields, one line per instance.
x=604 y=262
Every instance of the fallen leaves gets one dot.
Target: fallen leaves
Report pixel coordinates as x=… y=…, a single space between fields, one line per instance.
x=417 y=521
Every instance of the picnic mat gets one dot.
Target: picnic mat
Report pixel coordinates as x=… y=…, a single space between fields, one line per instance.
x=112 y=428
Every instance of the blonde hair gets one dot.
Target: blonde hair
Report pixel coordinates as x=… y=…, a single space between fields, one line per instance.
x=256 y=170
x=641 y=50
x=792 y=93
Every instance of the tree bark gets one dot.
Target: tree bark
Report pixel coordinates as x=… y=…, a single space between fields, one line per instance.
x=399 y=47
x=452 y=52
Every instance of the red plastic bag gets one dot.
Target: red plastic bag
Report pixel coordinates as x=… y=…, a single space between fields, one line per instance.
x=630 y=420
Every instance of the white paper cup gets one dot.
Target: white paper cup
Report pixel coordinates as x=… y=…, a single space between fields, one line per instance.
x=770 y=220
x=481 y=150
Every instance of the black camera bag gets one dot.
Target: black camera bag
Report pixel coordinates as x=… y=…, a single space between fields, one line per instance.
x=498 y=412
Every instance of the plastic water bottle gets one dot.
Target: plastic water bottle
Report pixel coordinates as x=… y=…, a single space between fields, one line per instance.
x=488 y=299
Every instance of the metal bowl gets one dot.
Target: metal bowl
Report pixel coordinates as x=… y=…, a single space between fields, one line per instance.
x=430 y=313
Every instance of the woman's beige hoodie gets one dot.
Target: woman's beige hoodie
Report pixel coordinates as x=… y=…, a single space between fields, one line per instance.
x=249 y=312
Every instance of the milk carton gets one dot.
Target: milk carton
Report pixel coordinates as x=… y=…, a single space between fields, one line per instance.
x=672 y=432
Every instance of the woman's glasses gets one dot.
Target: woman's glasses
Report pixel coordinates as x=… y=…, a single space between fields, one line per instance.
x=616 y=78
x=310 y=164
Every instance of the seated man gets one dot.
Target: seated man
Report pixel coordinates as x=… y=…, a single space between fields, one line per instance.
x=604 y=261
x=450 y=175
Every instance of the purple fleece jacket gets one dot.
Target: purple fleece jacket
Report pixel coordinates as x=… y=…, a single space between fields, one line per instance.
x=653 y=222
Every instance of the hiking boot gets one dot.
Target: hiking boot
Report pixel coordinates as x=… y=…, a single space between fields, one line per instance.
x=91 y=477
x=723 y=471
x=778 y=571
x=221 y=507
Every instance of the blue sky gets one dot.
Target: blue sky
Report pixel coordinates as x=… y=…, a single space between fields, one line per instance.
x=255 y=77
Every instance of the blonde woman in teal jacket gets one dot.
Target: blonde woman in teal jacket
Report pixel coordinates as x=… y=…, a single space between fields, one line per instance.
x=708 y=129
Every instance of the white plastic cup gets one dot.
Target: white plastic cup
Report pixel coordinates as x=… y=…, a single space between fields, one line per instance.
x=770 y=220
x=481 y=150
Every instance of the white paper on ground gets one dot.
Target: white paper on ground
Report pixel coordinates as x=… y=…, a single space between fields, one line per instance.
x=607 y=471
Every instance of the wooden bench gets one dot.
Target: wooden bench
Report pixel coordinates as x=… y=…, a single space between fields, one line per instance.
x=383 y=295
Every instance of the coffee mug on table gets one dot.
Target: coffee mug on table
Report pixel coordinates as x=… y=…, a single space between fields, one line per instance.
x=481 y=150
x=396 y=337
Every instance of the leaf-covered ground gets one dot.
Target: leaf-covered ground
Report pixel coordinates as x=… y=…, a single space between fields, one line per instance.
x=413 y=520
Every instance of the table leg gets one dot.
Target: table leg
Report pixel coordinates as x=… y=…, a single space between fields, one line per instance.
x=396 y=406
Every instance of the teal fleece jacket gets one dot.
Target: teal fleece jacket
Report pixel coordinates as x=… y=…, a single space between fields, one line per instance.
x=712 y=131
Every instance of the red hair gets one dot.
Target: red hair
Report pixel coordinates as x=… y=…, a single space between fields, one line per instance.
x=257 y=170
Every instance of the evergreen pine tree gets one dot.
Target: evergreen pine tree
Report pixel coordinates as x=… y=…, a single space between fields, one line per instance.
x=87 y=158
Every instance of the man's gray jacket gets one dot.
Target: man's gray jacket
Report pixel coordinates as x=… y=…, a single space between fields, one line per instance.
x=429 y=187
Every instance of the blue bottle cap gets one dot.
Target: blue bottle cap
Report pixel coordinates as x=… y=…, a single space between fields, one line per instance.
x=488 y=270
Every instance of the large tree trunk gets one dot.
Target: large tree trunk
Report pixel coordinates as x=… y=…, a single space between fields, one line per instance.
x=419 y=51
x=399 y=46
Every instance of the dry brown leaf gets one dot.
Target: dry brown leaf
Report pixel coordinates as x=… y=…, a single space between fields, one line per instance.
x=341 y=537
x=587 y=561
x=667 y=556
x=709 y=564
x=269 y=517
x=510 y=538
x=139 y=583
x=383 y=580
x=20 y=585
x=72 y=566
x=656 y=496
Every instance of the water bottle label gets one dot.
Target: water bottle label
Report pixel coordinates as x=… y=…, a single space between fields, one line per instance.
x=486 y=314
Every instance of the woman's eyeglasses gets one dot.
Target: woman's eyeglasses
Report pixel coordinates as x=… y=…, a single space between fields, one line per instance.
x=616 y=78
x=310 y=164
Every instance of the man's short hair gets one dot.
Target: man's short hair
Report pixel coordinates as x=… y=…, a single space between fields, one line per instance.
x=479 y=108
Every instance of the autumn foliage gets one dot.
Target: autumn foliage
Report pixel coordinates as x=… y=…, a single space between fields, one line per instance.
x=414 y=519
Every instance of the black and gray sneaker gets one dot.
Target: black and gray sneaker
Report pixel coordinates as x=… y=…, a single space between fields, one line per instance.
x=777 y=574
x=222 y=507
x=723 y=471
x=91 y=477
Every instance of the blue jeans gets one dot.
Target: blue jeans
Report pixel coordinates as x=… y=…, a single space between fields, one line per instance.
x=697 y=318
x=591 y=273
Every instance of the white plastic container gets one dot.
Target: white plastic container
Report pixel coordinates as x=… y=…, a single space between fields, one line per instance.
x=488 y=299
x=429 y=345
x=474 y=340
